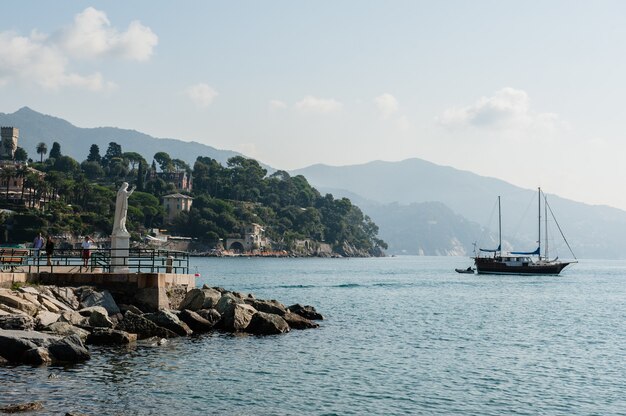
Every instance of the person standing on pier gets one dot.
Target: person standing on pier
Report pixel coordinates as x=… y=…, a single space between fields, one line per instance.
x=49 y=250
x=37 y=245
x=86 y=246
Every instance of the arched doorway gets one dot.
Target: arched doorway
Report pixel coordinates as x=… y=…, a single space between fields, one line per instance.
x=237 y=247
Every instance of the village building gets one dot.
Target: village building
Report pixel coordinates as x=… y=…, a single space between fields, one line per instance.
x=174 y=204
x=253 y=239
x=181 y=180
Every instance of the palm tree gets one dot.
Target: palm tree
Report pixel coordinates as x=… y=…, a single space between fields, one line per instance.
x=7 y=173
x=42 y=149
x=22 y=172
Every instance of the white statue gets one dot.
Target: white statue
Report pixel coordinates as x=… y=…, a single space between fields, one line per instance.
x=121 y=207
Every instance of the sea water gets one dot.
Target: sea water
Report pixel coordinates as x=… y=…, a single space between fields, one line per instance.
x=401 y=335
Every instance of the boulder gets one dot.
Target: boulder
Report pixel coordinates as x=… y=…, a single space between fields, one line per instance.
x=100 y=320
x=65 y=329
x=91 y=309
x=210 y=315
x=90 y=297
x=194 y=299
x=226 y=303
x=144 y=328
x=13 y=347
x=68 y=349
x=167 y=319
x=74 y=318
x=31 y=298
x=50 y=299
x=28 y=289
x=45 y=318
x=237 y=317
x=195 y=321
x=267 y=306
x=105 y=336
x=17 y=302
x=296 y=321
x=15 y=321
x=211 y=297
x=67 y=296
x=21 y=407
x=307 y=312
x=267 y=324
x=11 y=311
x=37 y=356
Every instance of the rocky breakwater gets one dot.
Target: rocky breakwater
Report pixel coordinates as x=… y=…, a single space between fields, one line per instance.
x=49 y=324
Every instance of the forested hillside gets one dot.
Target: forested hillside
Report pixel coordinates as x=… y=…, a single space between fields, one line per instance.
x=80 y=199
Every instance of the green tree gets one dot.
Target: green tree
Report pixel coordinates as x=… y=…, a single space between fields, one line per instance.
x=20 y=155
x=164 y=161
x=55 y=152
x=113 y=151
x=94 y=154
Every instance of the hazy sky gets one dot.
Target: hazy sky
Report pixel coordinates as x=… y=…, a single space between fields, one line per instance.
x=529 y=92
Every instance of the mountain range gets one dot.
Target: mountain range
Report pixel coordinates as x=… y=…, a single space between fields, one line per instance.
x=420 y=207
x=75 y=141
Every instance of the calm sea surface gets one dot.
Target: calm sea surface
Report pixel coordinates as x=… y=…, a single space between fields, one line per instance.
x=403 y=335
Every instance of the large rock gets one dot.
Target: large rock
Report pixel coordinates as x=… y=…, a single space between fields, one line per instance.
x=17 y=302
x=226 y=303
x=69 y=349
x=91 y=309
x=22 y=407
x=267 y=324
x=31 y=298
x=74 y=318
x=105 y=336
x=67 y=296
x=211 y=315
x=13 y=347
x=144 y=328
x=28 y=289
x=37 y=356
x=100 y=320
x=49 y=300
x=237 y=317
x=195 y=321
x=14 y=321
x=296 y=321
x=167 y=319
x=267 y=306
x=45 y=318
x=90 y=297
x=307 y=311
x=65 y=329
x=196 y=299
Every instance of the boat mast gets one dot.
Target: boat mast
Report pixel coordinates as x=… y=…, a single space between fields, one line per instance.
x=545 y=214
x=539 y=222
x=499 y=228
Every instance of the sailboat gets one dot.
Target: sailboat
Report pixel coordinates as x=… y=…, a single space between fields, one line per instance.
x=518 y=262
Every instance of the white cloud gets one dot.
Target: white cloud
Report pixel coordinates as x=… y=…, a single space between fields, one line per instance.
x=45 y=60
x=318 y=105
x=201 y=94
x=508 y=108
x=387 y=105
x=91 y=35
x=277 y=105
x=27 y=59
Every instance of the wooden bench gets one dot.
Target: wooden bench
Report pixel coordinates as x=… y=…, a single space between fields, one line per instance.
x=12 y=257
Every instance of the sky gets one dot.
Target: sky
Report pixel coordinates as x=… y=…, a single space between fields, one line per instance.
x=531 y=92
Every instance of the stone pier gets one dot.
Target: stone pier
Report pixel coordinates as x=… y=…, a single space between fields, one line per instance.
x=148 y=289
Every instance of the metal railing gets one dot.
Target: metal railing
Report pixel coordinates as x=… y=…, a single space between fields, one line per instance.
x=133 y=260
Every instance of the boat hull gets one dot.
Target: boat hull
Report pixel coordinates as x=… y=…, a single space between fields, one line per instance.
x=491 y=266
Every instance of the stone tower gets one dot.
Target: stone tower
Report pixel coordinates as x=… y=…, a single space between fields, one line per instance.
x=9 y=142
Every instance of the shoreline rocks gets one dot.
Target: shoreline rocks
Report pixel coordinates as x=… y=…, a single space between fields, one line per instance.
x=69 y=319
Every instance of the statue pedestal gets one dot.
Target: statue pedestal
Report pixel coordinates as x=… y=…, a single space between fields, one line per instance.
x=119 y=252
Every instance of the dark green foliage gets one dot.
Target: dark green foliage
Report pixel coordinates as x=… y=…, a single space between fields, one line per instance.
x=55 y=152
x=20 y=155
x=94 y=154
x=80 y=198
